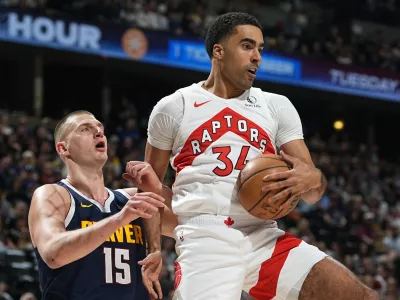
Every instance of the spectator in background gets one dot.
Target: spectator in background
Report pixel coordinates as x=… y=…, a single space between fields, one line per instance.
x=130 y=130
x=299 y=32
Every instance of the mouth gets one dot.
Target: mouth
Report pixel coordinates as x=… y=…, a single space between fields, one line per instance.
x=252 y=72
x=101 y=146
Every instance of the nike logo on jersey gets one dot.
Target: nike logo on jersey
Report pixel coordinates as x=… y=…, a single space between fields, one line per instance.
x=201 y=103
x=86 y=206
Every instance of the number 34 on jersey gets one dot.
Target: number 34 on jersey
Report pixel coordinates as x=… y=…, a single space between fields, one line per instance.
x=214 y=129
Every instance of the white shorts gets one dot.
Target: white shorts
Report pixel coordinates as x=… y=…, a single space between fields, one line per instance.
x=219 y=262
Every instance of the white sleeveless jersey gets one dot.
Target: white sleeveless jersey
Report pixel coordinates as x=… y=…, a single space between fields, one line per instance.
x=212 y=138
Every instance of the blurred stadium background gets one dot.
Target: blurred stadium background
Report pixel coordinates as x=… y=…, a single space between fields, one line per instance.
x=338 y=61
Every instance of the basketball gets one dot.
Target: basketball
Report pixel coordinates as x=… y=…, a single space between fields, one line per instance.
x=250 y=182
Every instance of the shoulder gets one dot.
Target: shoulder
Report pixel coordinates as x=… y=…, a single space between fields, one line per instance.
x=170 y=100
x=276 y=100
x=169 y=107
x=52 y=192
x=190 y=88
x=50 y=198
x=178 y=97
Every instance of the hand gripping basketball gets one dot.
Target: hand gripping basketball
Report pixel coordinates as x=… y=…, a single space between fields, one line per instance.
x=250 y=183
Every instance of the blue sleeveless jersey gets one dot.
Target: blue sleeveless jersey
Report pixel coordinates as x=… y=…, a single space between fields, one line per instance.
x=109 y=272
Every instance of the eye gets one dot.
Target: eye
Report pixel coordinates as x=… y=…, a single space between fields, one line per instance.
x=85 y=129
x=246 y=46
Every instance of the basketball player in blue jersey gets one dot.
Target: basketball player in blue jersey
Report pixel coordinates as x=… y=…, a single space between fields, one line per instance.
x=89 y=239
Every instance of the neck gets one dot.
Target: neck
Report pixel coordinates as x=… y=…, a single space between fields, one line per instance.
x=219 y=85
x=89 y=181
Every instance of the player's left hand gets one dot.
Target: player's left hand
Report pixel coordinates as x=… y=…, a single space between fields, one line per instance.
x=295 y=182
x=151 y=268
x=143 y=176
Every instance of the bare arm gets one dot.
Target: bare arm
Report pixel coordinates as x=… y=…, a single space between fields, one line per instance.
x=49 y=208
x=169 y=219
x=159 y=160
x=298 y=149
x=58 y=247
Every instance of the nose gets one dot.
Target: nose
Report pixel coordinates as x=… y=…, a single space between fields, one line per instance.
x=256 y=57
x=99 y=132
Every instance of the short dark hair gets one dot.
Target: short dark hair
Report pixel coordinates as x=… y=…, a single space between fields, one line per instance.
x=225 y=25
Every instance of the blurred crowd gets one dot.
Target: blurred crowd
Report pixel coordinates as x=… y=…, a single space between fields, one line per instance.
x=316 y=29
x=356 y=222
x=358 y=219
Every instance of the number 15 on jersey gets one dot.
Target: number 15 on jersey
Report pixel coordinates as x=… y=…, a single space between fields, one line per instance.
x=117 y=267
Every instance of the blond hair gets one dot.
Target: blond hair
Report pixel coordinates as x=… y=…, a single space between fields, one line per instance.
x=59 y=131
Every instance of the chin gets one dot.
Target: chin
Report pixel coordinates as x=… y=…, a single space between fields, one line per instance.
x=103 y=159
x=247 y=85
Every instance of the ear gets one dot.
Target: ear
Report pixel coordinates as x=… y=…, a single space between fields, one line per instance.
x=62 y=150
x=218 y=51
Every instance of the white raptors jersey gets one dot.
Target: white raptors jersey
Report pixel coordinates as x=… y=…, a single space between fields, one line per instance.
x=211 y=139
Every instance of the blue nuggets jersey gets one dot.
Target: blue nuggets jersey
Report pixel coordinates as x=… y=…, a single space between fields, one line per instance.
x=109 y=272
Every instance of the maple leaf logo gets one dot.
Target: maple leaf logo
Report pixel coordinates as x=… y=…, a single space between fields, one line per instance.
x=229 y=222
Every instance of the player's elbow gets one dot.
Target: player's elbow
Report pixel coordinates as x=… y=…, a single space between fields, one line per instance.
x=52 y=263
x=52 y=258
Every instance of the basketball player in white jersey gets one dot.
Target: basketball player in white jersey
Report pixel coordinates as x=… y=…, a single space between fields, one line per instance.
x=208 y=131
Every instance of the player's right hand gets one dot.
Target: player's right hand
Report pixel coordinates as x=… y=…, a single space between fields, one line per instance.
x=142 y=175
x=141 y=205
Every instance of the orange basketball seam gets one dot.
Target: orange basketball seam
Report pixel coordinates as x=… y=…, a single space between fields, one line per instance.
x=288 y=197
x=258 y=202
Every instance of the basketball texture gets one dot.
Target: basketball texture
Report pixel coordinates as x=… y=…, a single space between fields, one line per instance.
x=250 y=182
